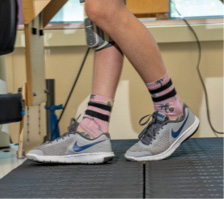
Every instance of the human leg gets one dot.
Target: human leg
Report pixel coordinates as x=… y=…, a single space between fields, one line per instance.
x=107 y=69
x=135 y=41
x=87 y=143
x=106 y=73
x=140 y=48
x=172 y=121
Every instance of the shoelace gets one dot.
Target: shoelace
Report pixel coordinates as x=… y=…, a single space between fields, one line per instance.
x=71 y=129
x=149 y=133
x=73 y=125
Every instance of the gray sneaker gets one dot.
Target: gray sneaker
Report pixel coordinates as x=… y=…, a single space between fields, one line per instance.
x=162 y=137
x=73 y=147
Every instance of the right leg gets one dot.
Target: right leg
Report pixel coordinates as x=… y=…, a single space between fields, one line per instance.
x=132 y=37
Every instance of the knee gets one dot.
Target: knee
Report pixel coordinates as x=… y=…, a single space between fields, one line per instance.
x=99 y=12
x=94 y=11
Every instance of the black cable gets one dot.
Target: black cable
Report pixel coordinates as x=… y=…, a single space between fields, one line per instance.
x=71 y=91
x=199 y=72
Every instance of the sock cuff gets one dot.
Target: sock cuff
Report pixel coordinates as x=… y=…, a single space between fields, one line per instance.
x=163 y=88
x=98 y=115
x=100 y=107
x=159 y=83
x=104 y=100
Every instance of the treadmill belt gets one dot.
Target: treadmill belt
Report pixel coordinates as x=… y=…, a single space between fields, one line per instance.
x=195 y=170
x=117 y=179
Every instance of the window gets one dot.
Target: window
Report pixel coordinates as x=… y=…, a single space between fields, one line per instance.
x=73 y=11
x=196 y=8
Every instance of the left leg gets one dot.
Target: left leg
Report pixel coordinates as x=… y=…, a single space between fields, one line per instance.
x=90 y=142
x=107 y=70
x=106 y=74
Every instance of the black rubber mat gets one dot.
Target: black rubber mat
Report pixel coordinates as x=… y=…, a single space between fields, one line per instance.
x=195 y=170
x=117 y=179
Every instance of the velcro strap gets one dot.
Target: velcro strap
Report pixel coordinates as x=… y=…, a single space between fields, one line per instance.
x=101 y=106
x=97 y=115
x=164 y=97
x=164 y=87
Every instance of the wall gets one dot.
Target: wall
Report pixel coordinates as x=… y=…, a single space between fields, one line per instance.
x=132 y=99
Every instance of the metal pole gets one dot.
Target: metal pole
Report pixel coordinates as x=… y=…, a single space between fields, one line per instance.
x=50 y=101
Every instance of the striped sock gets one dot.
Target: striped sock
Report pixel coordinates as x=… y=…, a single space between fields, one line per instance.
x=165 y=98
x=96 y=119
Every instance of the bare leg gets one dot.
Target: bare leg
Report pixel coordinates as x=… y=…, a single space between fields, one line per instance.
x=106 y=74
x=107 y=69
x=132 y=37
x=140 y=48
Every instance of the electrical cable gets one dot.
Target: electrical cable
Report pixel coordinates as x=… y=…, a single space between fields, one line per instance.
x=199 y=72
x=71 y=91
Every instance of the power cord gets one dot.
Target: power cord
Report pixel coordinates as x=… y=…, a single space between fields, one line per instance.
x=199 y=72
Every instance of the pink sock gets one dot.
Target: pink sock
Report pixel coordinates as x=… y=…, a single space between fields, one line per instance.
x=165 y=98
x=96 y=119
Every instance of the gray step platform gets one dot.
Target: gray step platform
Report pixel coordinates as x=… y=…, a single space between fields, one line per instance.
x=117 y=179
x=195 y=170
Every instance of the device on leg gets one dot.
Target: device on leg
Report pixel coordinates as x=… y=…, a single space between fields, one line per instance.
x=96 y=38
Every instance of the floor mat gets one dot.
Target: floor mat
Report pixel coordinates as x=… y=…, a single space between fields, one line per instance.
x=195 y=170
x=117 y=179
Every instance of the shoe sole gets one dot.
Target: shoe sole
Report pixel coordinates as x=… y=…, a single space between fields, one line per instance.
x=188 y=133
x=87 y=158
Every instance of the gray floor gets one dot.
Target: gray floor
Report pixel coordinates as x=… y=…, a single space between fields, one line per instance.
x=195 y=170
x=8 y=160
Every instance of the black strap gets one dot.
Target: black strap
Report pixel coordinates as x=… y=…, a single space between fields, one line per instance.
x=164 y=97
x=101 y=106
x=97 y=115
x=164 y=87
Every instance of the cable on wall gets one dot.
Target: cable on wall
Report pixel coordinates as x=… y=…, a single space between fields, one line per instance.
x=199 y=72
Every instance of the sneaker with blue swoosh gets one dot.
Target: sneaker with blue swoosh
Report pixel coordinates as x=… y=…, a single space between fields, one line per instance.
x=73 y=147
x=162 y=137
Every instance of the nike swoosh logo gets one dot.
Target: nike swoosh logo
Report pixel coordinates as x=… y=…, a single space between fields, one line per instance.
x=176 y=133
x=77 y=148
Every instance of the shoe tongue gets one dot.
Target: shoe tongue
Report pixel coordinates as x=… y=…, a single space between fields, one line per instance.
x=161 y=117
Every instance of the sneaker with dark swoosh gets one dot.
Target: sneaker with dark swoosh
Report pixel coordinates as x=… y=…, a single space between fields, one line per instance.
x=162 y=137
x=73 y=147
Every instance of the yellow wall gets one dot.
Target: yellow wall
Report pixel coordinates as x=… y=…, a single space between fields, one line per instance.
x=132 y=99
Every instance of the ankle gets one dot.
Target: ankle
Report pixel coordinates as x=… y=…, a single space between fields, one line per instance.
x=90 y=128
x=165 y=98
x=174 y=110
x=96 y=119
